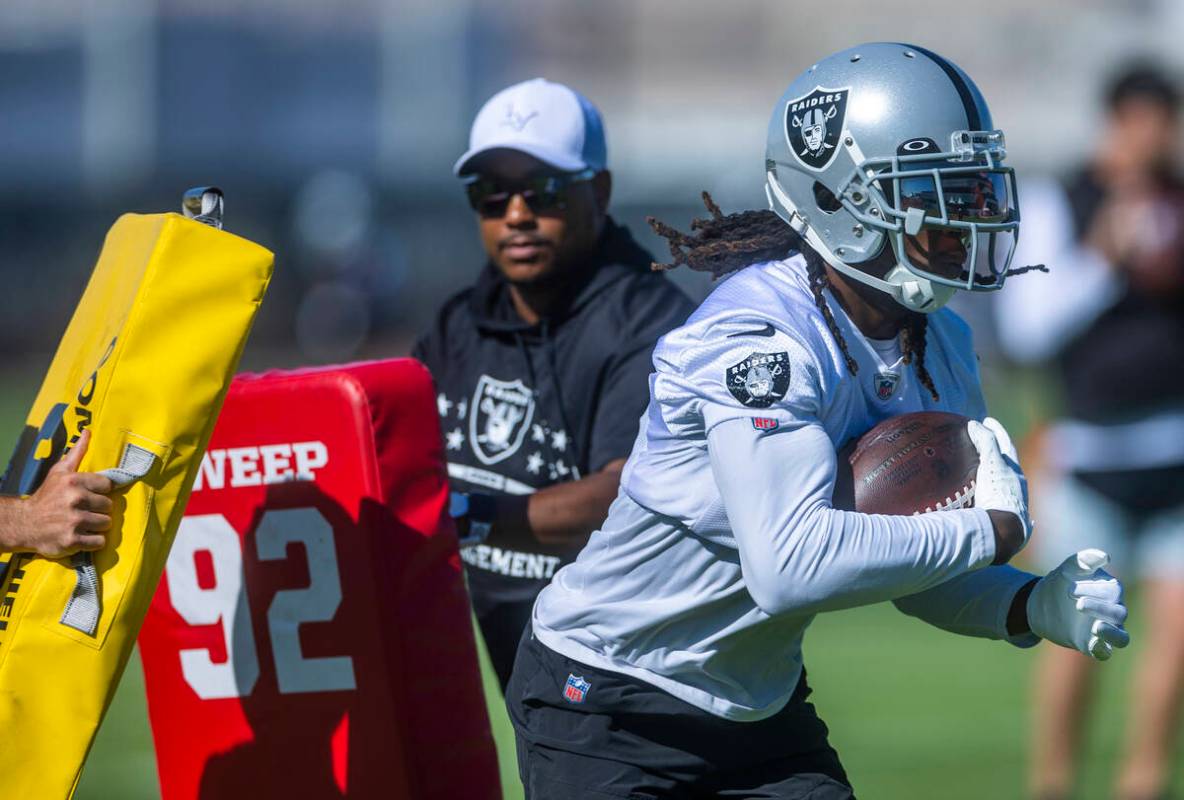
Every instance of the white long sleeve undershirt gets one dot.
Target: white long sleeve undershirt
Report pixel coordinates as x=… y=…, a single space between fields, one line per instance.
x=801 y=556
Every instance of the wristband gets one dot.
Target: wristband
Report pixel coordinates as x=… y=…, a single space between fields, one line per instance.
x=479 y=510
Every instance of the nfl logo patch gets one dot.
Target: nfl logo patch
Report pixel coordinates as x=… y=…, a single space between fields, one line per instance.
x=575 y=689
x=886 y=384
x=764 y=423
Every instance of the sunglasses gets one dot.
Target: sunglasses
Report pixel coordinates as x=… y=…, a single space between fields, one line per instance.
x=490 y=197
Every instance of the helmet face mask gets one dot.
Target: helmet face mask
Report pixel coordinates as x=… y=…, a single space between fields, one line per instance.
x=949 y=211
x=948 y=197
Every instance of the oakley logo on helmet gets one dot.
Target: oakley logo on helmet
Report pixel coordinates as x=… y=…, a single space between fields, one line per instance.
x=917 y=146
x=813 y=124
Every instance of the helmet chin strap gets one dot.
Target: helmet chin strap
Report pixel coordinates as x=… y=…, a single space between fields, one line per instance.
x=911 y=291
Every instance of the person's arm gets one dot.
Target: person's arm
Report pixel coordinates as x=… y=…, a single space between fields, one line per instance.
x=565 y=515
x=1077 y=605
x=559 y=518
x=988 y=604
x=800 y=555
x=67 y=513
x=1041 y=313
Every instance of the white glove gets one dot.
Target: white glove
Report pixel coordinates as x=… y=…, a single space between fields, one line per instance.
x=1079 y=605
x=1000 y=484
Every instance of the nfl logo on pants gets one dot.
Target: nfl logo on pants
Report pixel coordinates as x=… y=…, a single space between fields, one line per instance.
x=575 y=689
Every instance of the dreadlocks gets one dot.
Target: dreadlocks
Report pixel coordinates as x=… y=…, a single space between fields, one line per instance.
x=912 y=349
x=725 y=243
x=816 y=272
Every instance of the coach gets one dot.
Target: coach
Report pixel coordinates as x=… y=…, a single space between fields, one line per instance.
x=542 y=366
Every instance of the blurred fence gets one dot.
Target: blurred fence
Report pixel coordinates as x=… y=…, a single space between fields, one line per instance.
x=333 y=126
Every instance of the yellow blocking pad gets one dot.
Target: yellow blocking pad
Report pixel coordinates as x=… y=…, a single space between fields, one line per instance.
x=145 y=364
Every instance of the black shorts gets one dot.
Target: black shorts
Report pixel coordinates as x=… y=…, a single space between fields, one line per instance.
x=628 y=739
x=501 y=627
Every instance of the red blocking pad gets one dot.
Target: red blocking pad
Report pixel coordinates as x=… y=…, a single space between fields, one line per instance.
x=311 y=635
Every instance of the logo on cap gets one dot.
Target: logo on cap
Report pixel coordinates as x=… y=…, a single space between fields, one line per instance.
x=915 y=147
x=516 y=120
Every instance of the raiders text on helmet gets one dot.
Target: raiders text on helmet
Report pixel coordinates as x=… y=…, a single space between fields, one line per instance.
x=892 y=144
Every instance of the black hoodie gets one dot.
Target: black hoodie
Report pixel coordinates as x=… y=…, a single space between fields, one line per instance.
x=526 y=406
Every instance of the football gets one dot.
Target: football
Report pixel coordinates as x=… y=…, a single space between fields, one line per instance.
x=909 y=464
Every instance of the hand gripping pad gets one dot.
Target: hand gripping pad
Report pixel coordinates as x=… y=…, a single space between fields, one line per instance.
x=145 y=363
x=312 y=636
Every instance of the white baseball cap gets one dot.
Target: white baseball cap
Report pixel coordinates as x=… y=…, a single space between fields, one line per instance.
x=555 y=124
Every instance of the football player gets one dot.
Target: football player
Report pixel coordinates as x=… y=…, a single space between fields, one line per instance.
x=667 y=660
x=69 y=511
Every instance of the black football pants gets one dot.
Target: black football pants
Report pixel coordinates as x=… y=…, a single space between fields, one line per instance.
x=501 y=627
x=627 y=739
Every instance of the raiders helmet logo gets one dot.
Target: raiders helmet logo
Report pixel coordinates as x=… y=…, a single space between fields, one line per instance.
x=760 y=380
x=813 y=125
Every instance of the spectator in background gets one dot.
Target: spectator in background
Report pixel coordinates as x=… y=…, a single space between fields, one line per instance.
x=542 y=366
x=1110 y=318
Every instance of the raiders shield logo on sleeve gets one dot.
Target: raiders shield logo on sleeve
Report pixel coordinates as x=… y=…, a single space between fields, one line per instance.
x=813 y=125
x=760 y=380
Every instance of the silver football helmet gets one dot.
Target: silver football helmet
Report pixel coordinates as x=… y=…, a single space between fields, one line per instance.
x=892 y=143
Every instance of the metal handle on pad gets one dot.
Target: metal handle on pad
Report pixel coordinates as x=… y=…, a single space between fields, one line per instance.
x=203 y=204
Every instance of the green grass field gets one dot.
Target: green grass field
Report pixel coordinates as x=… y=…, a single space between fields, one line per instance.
x=914 y=712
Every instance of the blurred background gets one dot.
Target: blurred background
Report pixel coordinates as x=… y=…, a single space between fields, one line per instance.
x=332 y=128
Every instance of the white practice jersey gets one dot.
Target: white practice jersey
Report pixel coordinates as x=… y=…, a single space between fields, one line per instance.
x=722 y=544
